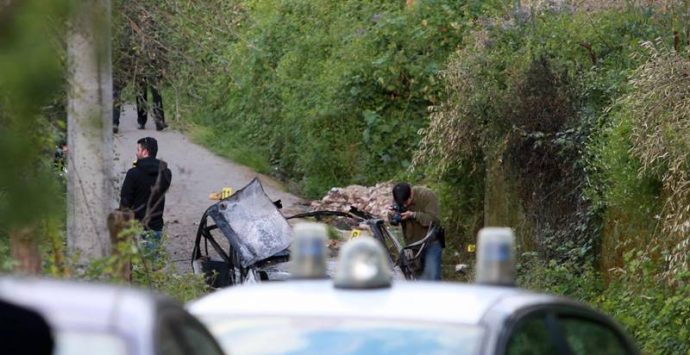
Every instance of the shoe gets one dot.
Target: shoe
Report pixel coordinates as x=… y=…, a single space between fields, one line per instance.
x=141 y=126
x=115 y=129
x=161 y=125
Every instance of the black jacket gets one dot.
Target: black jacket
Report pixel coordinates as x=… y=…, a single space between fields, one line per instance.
x=137 y=189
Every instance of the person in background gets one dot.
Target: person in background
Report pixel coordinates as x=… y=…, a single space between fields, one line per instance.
x=140 y=60
x=143 y=86
x=143 y=190
x=151 y=56
x=416 y=210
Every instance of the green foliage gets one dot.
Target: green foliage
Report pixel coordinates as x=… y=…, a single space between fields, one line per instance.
x=461 y=197
x=665 y=323
x=571 y=279
x=530 y=96
x=655 y=314
x=329 y=93
x=547 y=105
x=657 y=107
x=30 y=77
x=630 y=200
x=229 y=147
x=7 y=262
x=149 y=268
x=31 y=102
x=640 y=163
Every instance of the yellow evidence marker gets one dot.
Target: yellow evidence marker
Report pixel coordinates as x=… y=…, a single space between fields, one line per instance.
x=223 y=194
x=471 y=248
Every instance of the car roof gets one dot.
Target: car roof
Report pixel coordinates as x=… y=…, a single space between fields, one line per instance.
x=417 y=301
x=81 y=305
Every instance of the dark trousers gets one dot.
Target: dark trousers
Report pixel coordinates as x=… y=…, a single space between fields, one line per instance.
x=142 y=103
x=143 y=87
x=432 y=261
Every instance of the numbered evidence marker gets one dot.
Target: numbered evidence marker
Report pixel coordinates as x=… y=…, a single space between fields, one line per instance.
x=355 y=234
x=226 y=192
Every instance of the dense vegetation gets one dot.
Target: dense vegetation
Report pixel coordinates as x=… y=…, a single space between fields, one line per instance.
x=30 y=105
x=568 y=125
x=322 y=93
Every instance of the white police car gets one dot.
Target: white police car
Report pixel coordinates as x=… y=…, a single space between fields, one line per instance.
x=98 y=319
x=362 y=312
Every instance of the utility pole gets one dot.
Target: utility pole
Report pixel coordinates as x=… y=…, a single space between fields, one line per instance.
x=89 y=127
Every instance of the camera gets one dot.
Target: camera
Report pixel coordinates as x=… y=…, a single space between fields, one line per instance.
x=396 y=218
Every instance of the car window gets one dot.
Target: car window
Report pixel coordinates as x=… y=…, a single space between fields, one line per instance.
x=168 y=343
x=531 y=337
x=589 y=337
x=199 y=341
x=180 y=333
x=307 y=335
x=88 y=343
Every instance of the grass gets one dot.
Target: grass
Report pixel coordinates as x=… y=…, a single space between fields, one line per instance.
x=227 y=146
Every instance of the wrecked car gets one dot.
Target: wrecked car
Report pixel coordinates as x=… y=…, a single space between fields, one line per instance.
x=249 y=239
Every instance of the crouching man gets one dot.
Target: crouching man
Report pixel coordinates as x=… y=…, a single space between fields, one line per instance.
x=416 y=210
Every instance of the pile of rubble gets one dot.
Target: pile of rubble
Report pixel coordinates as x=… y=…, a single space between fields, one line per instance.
x=375 y=199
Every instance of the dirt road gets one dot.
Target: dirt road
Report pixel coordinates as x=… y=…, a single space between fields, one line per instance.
x=196 y=173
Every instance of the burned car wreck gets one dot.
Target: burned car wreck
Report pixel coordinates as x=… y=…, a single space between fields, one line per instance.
x=249 y=240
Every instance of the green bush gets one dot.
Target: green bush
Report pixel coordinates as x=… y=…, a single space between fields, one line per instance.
x=32 y=96
x=577 y=281
x=601 y=205
x=656 y=314
x=328 y=93
x=531 y=98
x=148 y=269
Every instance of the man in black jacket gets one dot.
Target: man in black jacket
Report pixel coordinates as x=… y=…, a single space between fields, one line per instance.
x=144 y=188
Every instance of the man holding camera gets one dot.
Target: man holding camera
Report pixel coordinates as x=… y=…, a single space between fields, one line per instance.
x=416 y=209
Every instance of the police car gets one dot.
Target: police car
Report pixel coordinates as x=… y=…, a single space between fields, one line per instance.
x=362 y=311
x=109 y=320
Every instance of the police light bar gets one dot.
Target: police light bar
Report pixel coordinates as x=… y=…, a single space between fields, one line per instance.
x=496 y=257
x=308 y=251
x=363 y=264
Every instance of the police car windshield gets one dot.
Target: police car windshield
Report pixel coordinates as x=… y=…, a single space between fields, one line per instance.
x=304 y=335
x=88 y=343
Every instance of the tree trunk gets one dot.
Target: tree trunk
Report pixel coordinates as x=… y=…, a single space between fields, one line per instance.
x=25 y=251
x=90 y=187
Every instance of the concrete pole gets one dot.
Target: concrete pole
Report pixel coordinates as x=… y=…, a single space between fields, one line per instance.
x=89 y=127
